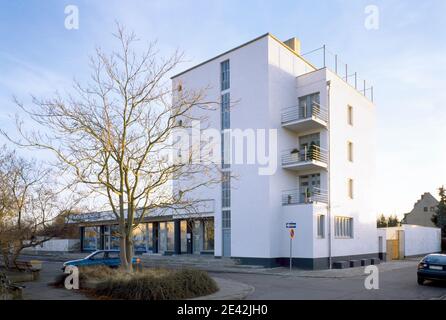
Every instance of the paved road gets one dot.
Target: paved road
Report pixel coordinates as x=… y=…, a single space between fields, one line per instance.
x=40 y=290
x=397 y=281
x=393 y=284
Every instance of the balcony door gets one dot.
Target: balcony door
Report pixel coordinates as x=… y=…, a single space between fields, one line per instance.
x=309 y=184
x=309 y=105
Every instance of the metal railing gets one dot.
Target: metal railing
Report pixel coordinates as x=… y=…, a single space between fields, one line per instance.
x=307 y=154
x=296 y=113
x=304 y=196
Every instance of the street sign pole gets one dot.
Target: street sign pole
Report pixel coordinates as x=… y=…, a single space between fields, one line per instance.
x=291 y=226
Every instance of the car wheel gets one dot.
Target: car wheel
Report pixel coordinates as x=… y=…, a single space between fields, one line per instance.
x=420 y=281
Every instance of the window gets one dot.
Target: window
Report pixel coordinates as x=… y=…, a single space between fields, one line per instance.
x=226 y=219
x=425 y=209
x=343 y=227
x=350 y=115
x=226 y=190
x=350 y=151
x=350 y=188
x=208 y=235
x=225 y=112
x=432 y=209
x=321 y=226
x=309 y=105
x=224 y=75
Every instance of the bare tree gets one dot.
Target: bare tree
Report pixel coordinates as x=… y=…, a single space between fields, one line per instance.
x=29 y=206
x=113 y=134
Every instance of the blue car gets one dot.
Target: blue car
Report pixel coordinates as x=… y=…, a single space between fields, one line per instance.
x=432 y=267
x=108 y=258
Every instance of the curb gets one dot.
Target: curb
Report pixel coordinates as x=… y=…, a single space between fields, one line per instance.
x=229 y=290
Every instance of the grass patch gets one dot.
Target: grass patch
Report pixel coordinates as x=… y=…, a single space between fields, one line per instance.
x=147 y=284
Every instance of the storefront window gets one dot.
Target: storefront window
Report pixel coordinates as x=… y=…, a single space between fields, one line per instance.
x=150 y=237
x=91 y=238
x=170 y=236
x=183 y=228
x=208 y=234
x=140 y=238
x=114 y=237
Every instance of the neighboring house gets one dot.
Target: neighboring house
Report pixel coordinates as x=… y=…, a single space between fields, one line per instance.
x=422 y=211
x=325 y=166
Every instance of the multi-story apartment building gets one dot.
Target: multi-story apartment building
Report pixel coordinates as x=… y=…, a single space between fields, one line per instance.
x=320 y=143
x=325 y=140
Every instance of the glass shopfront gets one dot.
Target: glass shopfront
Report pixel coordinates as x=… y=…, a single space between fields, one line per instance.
x=195 y=236
x=208 y=235
x=91 y=238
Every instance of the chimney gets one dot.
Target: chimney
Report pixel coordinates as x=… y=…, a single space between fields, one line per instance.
x=293 y=44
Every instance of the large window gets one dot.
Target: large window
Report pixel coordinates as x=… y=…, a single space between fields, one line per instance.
x=225 y=76
x=140 y=238
x=321 y=226
x=183 y=236
x=91 y=238
x=225 y=111
x=343 y=227
x=208 y=235
x=226 y=219
x=170 y=236
x=226 y=189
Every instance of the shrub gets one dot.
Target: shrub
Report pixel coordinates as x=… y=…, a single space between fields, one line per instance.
x=150 y=284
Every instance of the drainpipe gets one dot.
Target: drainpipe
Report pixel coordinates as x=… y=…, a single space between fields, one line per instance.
x=329 y=180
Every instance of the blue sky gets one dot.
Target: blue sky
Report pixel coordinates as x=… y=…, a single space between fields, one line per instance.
x=403 y=59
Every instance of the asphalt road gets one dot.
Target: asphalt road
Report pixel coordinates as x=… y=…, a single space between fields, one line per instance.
x=394 y=284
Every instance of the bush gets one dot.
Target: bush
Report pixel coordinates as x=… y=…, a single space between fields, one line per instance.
x=149 y=284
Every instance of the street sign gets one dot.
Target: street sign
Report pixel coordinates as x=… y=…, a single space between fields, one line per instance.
x=291 y=233
x=291 y=225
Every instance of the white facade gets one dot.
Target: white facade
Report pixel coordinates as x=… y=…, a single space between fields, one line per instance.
x=268 y=81
x=415 y=240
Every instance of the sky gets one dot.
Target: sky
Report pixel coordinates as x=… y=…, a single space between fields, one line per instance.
x=404 y=59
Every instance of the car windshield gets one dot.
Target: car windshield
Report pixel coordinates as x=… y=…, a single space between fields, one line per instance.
x=96 y=255
x=436 y=259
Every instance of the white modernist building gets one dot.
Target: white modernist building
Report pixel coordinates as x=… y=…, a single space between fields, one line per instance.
x=325 y=158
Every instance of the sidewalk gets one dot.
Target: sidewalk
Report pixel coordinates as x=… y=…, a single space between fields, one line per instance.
x=40 y=290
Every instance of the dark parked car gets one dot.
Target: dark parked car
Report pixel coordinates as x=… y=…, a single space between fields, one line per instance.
x=432 y=267
x=99 y=258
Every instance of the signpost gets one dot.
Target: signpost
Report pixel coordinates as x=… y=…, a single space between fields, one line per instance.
x=291 y=226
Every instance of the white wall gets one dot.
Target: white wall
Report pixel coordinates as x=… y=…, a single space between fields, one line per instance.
x=420 y=240
x=57 y=245
x=362 y=170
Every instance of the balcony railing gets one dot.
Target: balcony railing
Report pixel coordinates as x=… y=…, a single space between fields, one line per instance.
x=297 y=113
x=306 y=196
x=308 y=154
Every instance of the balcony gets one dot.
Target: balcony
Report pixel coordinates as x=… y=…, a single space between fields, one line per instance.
x=293 y=197
x=310 y=158
x=301 y=119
